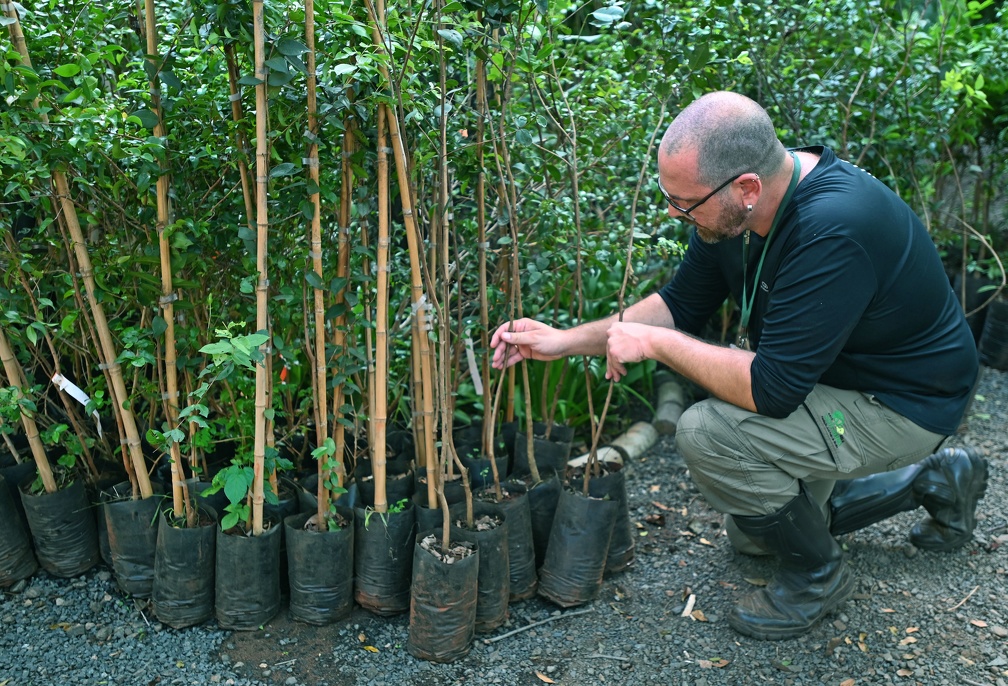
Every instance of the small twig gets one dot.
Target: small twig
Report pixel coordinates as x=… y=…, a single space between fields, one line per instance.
x=285 y=662
x=972 y=683
x=609 y=657
x=139 y=608
x=535 y=624
x=963 y=601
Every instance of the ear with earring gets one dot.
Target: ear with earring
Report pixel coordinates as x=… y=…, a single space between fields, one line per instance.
x=749 y=207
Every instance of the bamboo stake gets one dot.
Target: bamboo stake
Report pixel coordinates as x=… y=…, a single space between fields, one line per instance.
x=180 y=500
x=118 y=387
x=320 y=377
x=379 y=382
x=15 y=378
x=418 y=297
x=262 y=287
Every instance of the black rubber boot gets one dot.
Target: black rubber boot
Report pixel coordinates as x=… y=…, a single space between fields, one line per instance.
x=812 y=579
x=948 y=484
x=857 y=503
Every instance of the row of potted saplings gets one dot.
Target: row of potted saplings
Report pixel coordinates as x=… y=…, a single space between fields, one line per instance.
x=537 y=528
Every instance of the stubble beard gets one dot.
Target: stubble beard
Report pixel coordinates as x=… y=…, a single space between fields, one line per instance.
x=731 y=221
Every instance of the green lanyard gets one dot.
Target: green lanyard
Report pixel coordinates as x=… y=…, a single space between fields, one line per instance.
x=742 y=340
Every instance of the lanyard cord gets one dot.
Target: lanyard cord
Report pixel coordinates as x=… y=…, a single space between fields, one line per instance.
x=747 y=301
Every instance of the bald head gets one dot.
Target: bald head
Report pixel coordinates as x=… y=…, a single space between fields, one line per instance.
x=729 y=133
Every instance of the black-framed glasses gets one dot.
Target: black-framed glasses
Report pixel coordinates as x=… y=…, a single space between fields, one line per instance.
x=686 y=210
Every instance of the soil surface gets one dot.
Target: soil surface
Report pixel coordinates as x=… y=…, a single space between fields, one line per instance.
x=916 y=617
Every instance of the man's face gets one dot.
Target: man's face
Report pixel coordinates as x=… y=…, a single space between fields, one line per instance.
x=716 y=212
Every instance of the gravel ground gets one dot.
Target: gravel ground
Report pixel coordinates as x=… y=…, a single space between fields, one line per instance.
x=916 y=618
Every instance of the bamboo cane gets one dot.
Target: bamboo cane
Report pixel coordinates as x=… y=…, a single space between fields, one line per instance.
x=262 y=379
x=418 y=297
x=379 y=409
x=15 y=378
x=180 y=500
x=320 y=377
x=69 y=212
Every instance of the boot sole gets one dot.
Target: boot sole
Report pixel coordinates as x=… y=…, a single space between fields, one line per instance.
x=977 y=489
x=842 y=594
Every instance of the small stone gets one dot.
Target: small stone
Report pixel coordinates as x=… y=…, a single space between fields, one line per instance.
x=999 y=631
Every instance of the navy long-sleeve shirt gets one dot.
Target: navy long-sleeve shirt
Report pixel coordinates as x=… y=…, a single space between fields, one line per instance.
x=852 y=294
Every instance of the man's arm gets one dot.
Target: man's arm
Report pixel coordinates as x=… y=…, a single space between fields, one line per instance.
x=532 y=340
x=725 y=372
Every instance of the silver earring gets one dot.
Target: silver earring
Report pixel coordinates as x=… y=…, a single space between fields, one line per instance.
x=749 y=207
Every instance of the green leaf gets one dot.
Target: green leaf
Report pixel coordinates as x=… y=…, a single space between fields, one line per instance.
x=159 y=325
x=237 y=485
x=607 y=15
x=229 y=520
x=289 y=47
x=283 y=169
x=313 y=279
x=67 y=70
x=277 y=64
x=148 y=118
x=452 y=36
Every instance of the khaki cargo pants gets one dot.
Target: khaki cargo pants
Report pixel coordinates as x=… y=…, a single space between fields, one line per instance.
x=748 y=464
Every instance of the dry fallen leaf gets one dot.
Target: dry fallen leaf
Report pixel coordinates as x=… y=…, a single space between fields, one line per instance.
x=888 y=609
x=863 y=646
x=908 y=640
x=361 y=637
x=655 y=488
x=912 y=630
x=543 y=677
x=371 y=649
x=756 y=582
x=705 y=541
x=698 y=615
x=847 y=682
x=720 y=663
x=660 y=506
x=904 y=672
x=655 y=519
x=978 y=622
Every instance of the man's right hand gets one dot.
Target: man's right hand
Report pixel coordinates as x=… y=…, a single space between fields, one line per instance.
x=525 y=339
